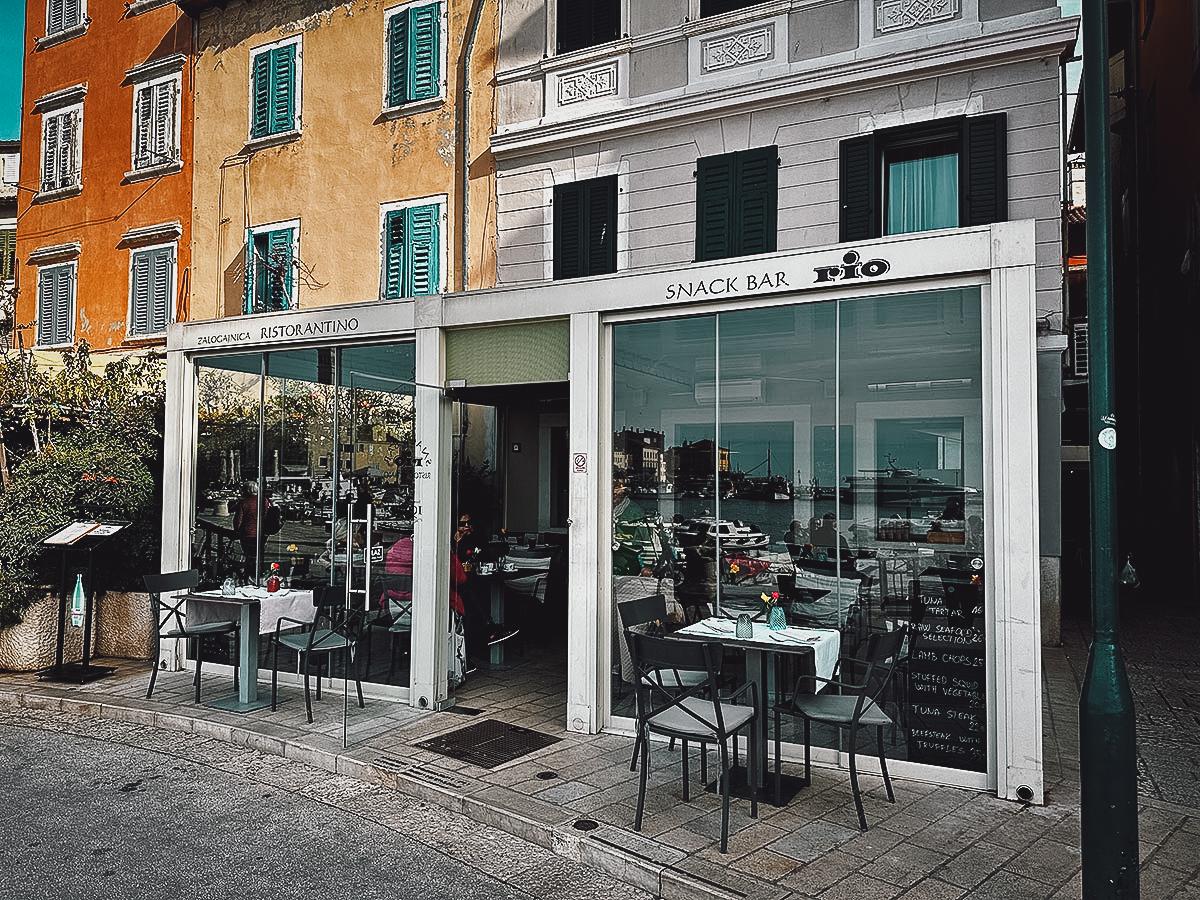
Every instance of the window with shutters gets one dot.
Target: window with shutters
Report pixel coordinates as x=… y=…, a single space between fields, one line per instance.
x=56 y=305
x=942 y=174
x=156 y=123
x=8 y=254
x=275 y=89
x=736 y=203
x=412 y=249
x=585 y=228
x=62 y=149
x=586 y=23
x=151 y=286
x=269 y=280
x=716 y=7
x=63 y=15
x=414 y=48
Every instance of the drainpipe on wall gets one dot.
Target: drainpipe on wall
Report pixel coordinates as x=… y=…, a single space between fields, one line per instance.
x=464 y=133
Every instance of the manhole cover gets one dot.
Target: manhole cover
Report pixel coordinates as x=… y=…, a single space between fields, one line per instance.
x=489 y=743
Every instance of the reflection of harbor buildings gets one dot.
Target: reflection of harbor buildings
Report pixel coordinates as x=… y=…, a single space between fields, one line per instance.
x=639 y=453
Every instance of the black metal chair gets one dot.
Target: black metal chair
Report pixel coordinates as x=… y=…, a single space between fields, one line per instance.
x=170 y=621
x=395 y=618
x=335 y=627
x=858 y=703
x=643 y=611
x=691 y=713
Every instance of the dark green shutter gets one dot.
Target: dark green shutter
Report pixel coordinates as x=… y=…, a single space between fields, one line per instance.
x=568 y=226
x=283 y=88
x=586 y=24
x=756 y=199
x=601 y=226
x=859 y=189
x=585 y=228
x=397 y=59
x=983 y=170
x=421 y=251
x=424 y=78
x=714 y=206
x=262 y=95
x=393 y=254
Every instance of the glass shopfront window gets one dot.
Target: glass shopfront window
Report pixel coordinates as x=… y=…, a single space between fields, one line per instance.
x=304 y=469
x=830 y=452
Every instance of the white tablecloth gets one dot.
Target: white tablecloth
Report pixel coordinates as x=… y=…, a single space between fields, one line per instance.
x=826 y=642
x=285 y=602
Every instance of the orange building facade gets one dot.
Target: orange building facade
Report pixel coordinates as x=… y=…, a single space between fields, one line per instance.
x=104 y=204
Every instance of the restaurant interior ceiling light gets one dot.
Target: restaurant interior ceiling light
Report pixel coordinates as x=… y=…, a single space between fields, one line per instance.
x=735 y=390
x=891 y=387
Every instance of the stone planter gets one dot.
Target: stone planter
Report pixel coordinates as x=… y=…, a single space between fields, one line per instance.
x=121 y=627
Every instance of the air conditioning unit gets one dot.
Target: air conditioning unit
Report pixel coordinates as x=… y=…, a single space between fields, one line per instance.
x=735 y=390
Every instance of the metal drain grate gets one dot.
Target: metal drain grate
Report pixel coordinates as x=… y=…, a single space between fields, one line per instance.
x=489 y=743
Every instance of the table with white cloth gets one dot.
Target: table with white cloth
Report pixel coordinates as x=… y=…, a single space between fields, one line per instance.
x=818 y=650
x=257 y=611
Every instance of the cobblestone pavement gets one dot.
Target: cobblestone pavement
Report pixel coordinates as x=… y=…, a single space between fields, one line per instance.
x=1160 y=642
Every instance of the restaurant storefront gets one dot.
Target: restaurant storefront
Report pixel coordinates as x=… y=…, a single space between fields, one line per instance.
x=852 y=427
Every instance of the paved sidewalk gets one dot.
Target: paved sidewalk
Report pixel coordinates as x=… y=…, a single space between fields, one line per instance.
x=577 y=796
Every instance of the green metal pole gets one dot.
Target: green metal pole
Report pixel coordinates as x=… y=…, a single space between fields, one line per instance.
x=1107 y=744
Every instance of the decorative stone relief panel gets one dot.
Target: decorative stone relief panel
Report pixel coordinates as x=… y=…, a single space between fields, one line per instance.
x=742 y=48
x=897 y=15
x=589 y=85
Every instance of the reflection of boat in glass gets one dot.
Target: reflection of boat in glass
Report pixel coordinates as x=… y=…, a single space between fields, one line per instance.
x=735 y=535
x=897 y=489
x=748 y=486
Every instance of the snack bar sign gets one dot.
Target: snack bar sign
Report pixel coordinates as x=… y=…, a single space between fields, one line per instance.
x=852 y=267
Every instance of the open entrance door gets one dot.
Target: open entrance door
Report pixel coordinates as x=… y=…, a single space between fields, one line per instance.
x=510 y=483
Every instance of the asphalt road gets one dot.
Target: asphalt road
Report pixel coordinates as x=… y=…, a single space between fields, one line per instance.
x=91 y=808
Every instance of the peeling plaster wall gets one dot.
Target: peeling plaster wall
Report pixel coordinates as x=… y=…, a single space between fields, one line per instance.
x=350 y=157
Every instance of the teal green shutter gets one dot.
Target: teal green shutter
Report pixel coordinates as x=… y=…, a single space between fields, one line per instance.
x=283 y=87
x=248 y=272
x=421 y=274
x=279 y=260
x=393 y=254
x=858 y=189
x=423 y=77
x=984 y=169
x=397 y=59
x=262 y=95
x=714 y=206
x=755 y=201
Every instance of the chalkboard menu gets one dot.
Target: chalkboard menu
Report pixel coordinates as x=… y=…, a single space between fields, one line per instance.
x=947 y=686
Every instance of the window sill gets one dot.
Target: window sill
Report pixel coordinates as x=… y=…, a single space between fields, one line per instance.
x=412 y=108
x=69 y=345
x=61 y=37
x=171 y=168
x=271 y=140
x=57 y=194
x=141 y=340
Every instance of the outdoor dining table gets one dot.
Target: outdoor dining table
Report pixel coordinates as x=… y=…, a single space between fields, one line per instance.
x=257 y=611
x=817 y=648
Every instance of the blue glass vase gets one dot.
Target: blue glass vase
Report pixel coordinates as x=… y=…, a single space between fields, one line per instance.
x=777 y=621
